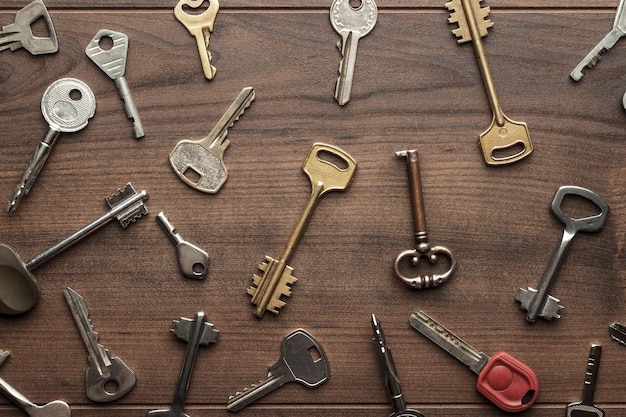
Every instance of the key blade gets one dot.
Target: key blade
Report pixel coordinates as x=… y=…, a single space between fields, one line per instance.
x=593 y=57
x=128 y=205
x=217 y=136
x=111 y=61
x=618 y=333
x=184 y=329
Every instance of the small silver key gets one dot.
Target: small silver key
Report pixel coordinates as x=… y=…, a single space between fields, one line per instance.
x=193 y=261
x=107 y=378
x=113 y=62
x=67 y=105
x=302 y=360
x=586 y=407
x=20 y=35
x=352 y=24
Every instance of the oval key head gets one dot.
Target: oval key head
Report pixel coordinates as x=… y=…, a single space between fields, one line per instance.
x=68 y=104
x=586 y=224
x=323 y=167
x=346 y=18
x=19 y=290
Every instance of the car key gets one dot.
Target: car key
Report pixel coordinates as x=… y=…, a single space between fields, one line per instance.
x=20 y=35
x=586 y=407
x=200 y=26
x=193 y=261
x=508 y=383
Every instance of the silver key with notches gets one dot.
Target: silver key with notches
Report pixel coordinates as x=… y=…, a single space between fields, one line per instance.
x=193 y=261
x=20 y=35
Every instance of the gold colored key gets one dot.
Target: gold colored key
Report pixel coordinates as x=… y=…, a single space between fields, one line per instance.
x=200 y=26
x=506 y=141
x=325 y=176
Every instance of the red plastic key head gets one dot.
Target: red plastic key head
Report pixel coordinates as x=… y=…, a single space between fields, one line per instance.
x=508 y=383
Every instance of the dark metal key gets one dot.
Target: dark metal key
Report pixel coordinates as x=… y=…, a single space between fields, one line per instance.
x=586 y=408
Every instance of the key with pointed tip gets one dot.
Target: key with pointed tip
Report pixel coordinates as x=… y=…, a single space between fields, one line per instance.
x=193 y=261
x=20 y=35
x=586 y=407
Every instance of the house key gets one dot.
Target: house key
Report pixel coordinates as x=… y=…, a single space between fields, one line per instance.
x=20 y=35
x=200 y=26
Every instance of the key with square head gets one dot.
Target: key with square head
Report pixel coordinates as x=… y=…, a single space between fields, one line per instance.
x=20 y=34
x=200 y=164
x=112 y=62
x=67 y=105
x=586 y=407
x=302 y=360
x=505 y=141
x=325 y=175
x=19 y=290
x=200 y=26
x=505 y=381
x=193 y=261
x=539 y=303
x=352 y=23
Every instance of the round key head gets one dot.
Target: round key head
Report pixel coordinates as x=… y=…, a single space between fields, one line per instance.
x=346 y=18
x=19 y=290
x=68 y=104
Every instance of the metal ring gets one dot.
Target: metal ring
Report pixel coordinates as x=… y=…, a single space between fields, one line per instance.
x=432 y=281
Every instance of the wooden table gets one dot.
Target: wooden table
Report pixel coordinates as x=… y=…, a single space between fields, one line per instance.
x=414 y=88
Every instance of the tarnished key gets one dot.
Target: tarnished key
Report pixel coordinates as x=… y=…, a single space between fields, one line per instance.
x=302 y=360
x=352 y=24
x=618 y=333
x=193 y=261
x=506 y=382
x=67 y=105
x=112 y=62
x=107 y=378
x=539 y=303
x=19 y=290
x=20 y=35
x=325 y=176
x=200 y=26
x=586 y=407
x=200 y=164
x=506 y=141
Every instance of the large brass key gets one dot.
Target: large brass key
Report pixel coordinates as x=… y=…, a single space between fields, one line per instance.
x=325 y=176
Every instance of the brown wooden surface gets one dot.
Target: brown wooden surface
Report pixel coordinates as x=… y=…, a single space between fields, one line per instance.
x=414 y=88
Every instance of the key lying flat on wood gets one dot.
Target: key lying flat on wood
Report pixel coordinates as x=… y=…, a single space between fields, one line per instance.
x=618 y=333
x=20 y=35
x=200 y=26
x=193 y=261
x=586 y=407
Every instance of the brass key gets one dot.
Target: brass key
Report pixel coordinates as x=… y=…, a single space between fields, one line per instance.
x=505 y=141
x=325 y=176
x=200 y=26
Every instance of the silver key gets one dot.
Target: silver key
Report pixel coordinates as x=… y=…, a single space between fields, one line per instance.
x=611 y=38
x=352 y=24
x=539 y=303
x=302 y=360
x=67 y=105
x=193 y=261
x=20 y=35
x=113 y=62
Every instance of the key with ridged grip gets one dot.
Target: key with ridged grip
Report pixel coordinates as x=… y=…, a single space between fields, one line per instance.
x=586 y=407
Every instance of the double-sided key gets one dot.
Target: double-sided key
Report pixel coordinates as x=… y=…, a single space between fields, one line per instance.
x=586 y=407
x=505 y=141
x=200 y=26
x=112 y=61
x=20 y=35
x=19 y=290
x=67 y=105
x=325 y=176
x=539 y=303
x=352 y=23
x=107 y=378
x=505 y=381
x=200 y=164
x=302 y=360
x=193 y=261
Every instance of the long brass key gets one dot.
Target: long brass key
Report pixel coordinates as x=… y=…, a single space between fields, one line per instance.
x=200 y=26
x=325 y=176
x=505 y=141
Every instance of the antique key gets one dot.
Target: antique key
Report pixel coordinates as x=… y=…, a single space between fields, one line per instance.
x=352 y=24
x=107 y=379
x=302 y=360
x=504 y=134
x=67 y=105
x=113 y=62
x=200 y=164
x=586 y=407
x=325 y=176
x=20 y=35
x=422 y=248
x=200 y=26
x=508 y=383
x=193 y=261
x=539 y=303
x=19 y=290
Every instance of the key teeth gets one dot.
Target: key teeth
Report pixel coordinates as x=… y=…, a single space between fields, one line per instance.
x=458 y=16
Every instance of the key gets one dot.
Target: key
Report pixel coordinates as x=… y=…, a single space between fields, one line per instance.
x=618 y=333
x=200 y=164
x=200 y=26
x=505 y=381
x=67 y=105
x=325 y=176
x=302 y=360
x=193 y=261
x=586 y=407
x=391 y=375
x=505 y=141
x=539 y=303
x=113 y=62
x=106 y=379
x=20 y=35
x=19 y=290
x=352 y=24
x=422 y=246
x=195 y=332
x=51 y=409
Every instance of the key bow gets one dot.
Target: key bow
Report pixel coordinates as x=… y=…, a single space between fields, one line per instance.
x=432 y=254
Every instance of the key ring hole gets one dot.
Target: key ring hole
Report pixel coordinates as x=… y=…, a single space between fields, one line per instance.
x=198 y=269
x=332 y=159
x=194 y=9
x=356 y=4
x=75 y=94
x=40 y=29
x=578 y=207
x=106 y=43
x=111 y=387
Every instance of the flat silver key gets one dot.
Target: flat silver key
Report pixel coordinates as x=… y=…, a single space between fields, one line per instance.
x=352 y=24
x=539 y=303
x=586 y=407
x=107 y=378
x=67 y=105
x=113 y=62
x=617 y=32
x=192 y=261
x=302 y=360
x=20 y=35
